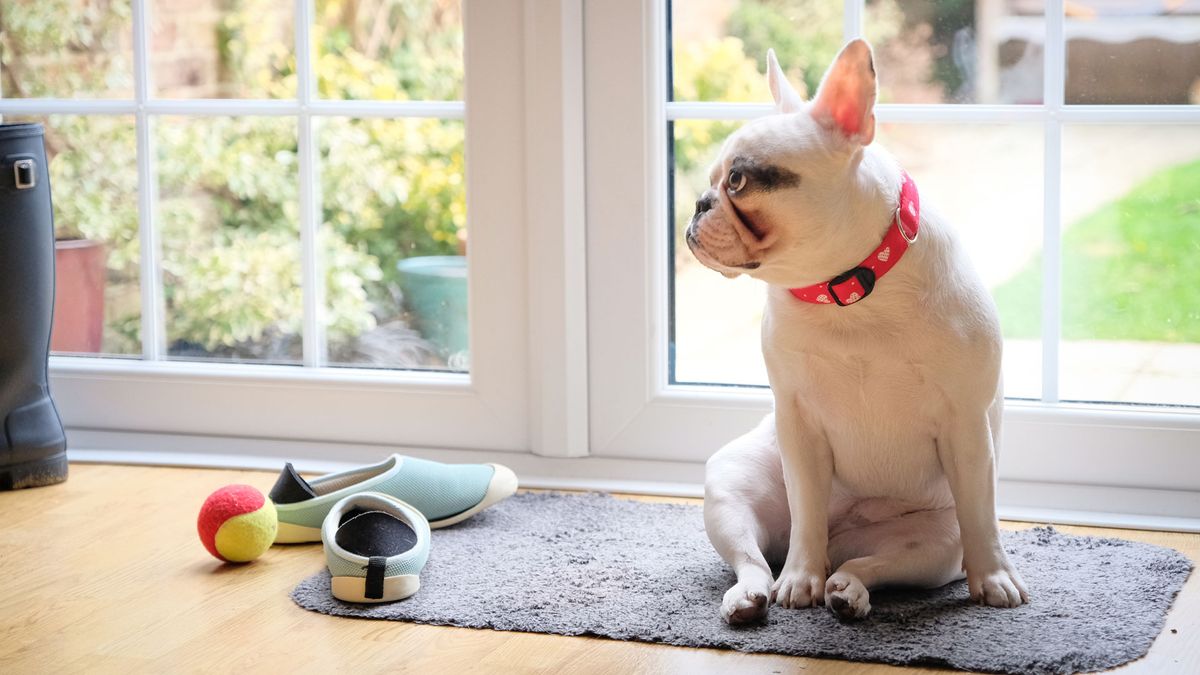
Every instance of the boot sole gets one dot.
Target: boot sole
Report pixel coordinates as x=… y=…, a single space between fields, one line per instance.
x=37 y=473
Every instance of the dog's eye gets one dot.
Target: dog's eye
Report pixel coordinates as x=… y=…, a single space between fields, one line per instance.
x=736 y=181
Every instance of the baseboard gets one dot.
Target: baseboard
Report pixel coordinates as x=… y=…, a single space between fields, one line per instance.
x=1043 y=502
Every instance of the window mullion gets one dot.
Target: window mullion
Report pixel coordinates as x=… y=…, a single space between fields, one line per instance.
x=153 y=315
x=444 y=110
x=312 y=279
x=928 y=113
x=555 y=218
x=1053 y=85
x=852 y=19
x=1129 y=114
x=68 y=106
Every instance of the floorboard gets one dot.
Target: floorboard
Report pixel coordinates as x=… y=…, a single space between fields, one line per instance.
x=105 y=573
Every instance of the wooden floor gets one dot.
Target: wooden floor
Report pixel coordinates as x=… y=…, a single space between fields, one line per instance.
x=104 y=573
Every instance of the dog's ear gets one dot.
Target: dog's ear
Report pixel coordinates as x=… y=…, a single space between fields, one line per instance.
x=846 y=100
x=787 y=99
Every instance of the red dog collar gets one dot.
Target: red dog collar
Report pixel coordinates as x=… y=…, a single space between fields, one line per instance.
x=855 y=284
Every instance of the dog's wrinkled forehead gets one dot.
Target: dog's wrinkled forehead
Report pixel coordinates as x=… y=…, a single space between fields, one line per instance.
x=763 y=173
x=770 y=151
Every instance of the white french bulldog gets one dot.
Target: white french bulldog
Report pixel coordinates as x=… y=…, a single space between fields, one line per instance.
x=879 y=461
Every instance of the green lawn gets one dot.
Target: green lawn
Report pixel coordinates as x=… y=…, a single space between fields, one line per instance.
x=1131 y=270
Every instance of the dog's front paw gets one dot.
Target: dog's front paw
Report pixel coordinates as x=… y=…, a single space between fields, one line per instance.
x=999 y=586
x=799 y=588
x=746 y=602
x=846 y=597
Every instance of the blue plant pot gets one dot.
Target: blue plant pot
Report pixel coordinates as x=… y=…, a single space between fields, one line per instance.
x=435 y=292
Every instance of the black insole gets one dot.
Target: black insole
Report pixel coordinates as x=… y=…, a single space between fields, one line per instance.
x=291 y=487
x=374 y=533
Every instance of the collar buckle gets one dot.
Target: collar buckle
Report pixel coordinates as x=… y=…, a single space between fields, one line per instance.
x=851 y=286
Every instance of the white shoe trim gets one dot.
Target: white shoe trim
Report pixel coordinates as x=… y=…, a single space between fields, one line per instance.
x=353 y=589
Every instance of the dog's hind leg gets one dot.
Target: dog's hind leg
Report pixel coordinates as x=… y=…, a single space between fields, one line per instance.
x=745 y=511
x=919 y=549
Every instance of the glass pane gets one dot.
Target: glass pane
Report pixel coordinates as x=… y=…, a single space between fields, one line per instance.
x=715 y=321
x=933 y=51
x=240 y=49
x=719 y=47
x=997 y=213
x=1133 y=51
x=995 y=208
x=231 y=243
x=394 y=240
x=66 y=49
x=389 y=49
x=98 y=302
x=1131 y=285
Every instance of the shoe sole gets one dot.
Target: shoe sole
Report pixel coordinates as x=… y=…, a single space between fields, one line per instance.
x=38 y=473
x=354 y=589
x=290 y=533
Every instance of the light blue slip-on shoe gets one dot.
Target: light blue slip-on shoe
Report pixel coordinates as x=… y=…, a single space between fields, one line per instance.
x=375 y=547
x=444 y=493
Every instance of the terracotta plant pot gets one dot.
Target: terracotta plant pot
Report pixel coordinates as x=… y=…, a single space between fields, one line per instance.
x=79 y=274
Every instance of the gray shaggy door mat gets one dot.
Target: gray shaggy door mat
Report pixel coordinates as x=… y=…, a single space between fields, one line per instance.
x=598 y=565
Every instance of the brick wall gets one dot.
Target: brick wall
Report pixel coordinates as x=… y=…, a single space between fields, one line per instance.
x=185 y=44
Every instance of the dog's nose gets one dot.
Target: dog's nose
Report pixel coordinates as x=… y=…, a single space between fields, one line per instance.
x=706 y=202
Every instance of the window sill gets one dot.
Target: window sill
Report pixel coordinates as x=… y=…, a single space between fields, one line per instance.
x=116 y=367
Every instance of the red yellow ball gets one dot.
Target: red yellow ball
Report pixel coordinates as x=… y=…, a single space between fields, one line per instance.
x=237 y=523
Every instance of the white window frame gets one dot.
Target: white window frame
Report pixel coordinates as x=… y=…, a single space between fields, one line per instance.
x=1118 y=465
x=568 y=326
x=114 y=405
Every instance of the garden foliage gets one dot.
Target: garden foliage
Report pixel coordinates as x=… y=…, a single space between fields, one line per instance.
x=228 y=187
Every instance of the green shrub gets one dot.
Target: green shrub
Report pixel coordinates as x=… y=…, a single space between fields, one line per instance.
x=228 y=187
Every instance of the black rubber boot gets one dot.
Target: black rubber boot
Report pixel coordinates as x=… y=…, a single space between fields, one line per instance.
x=33 y=450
